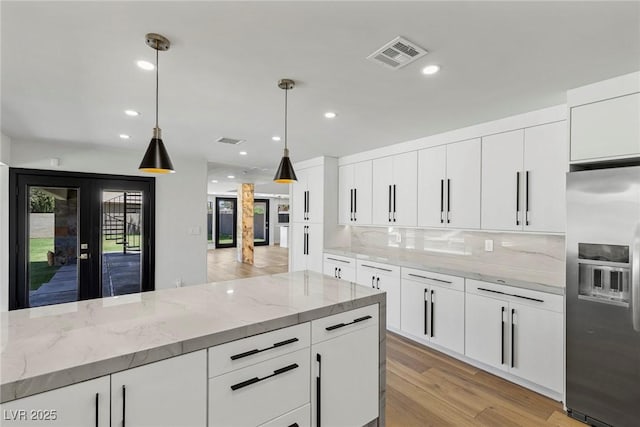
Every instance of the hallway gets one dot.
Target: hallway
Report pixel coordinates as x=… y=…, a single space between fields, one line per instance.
x=222 y=264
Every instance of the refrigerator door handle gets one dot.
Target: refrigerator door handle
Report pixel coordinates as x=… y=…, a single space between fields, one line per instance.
x=635 y=279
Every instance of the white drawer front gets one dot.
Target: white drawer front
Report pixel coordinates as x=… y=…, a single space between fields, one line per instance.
x=535 y=299
x=258 y=348
x=340 y=260
x=340 y=271
x=300 y=417
x=264 y=399
x=343 y=323
x=375 y=268
x=431 y=278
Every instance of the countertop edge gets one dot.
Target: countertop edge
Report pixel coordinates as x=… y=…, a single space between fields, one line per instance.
x=523 y=284
x=50 y=381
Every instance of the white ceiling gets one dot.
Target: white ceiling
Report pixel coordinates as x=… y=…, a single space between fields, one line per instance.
x=68 y=71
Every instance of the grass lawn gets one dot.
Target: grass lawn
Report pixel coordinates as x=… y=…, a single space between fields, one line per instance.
x=39 y=270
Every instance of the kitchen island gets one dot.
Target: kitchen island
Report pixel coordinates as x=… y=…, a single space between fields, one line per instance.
x=245 y=352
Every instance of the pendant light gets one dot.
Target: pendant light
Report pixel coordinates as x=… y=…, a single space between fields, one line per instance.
x=285 y=173
x=156 y=159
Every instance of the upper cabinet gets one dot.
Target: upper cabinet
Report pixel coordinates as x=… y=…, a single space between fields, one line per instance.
x=307 y=195
x=394 y=190
x=355 y=193
x=523 y=179
x=605 y=119
x=449 y=185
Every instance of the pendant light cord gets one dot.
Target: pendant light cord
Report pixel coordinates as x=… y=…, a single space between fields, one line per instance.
x=285 y=117
x=157 y=48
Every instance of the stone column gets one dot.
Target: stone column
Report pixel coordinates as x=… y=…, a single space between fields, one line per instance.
x=245 y=223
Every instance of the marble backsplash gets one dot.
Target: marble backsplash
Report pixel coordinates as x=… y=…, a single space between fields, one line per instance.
x=533 y=252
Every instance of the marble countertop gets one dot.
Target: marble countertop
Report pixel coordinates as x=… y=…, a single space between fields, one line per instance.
x=50 y=347
x=543 y=281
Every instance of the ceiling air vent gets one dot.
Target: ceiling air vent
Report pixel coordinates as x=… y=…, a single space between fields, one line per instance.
x=231 y=141
x=397 y=53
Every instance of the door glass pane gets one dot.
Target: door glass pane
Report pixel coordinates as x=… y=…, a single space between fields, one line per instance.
x=52 y=265
x=260 y=222
x=226 y=223
x=122 y=238
x=209 y=222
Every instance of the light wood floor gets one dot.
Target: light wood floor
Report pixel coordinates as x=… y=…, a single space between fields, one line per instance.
x=428 y=388
x=222 y=264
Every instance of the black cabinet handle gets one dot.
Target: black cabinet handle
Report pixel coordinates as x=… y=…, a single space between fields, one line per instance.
x=339 y=260
x=97 y=407
x=429 y=278
x=377 y=283
x=355 y=204
x=432 y=310
x=339 y=273
x=448 y=200
x=511 y=295
x=502 y=337
x=394 y=203
x=308 y=204
x=255 y=380
x=517 y=198
x=294 y=425
x=342 y=325
x=256 y=351
x=373 y=282
x=513 y=343
x=526 y=198
x=124 y=405
x=351 y=195
x=335 y=272
x=318 y=402
x=441 y=201
x=426 y=312
x=377 y=268
x=389 y=203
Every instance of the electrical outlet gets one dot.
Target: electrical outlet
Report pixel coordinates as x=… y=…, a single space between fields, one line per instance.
x=488 y=245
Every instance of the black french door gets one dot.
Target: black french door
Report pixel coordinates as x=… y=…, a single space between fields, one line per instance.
x=226 y=220
x=78 y=236
x=261 y=222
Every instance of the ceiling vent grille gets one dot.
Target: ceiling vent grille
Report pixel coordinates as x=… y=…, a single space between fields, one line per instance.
x=231 y=141
x=397 y=53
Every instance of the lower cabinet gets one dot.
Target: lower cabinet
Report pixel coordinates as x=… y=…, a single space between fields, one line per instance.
x=340 y=267
x=345 y=369
x=78 y=405
x=171 y=392
x=384 y=277
x=433 y=308
x=516 y=330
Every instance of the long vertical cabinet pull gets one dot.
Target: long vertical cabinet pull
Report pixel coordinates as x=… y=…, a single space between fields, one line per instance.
x=97 y=407
x=318 y=388
x=394 y=203
x=355 y=204
x=502 y=339
x=526 y=198
x=517 y=198
x=124 y=404
x=513 y=335
x=426 y=311
x=448 y=200
x=442 y=201
x=308 y=204
x=351 y=201
x=304 y=215
x=389 y=203
x=432 y=310
x=307 y=240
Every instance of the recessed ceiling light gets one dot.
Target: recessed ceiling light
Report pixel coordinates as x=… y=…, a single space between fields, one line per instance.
x=146 y=65
x=430 y=69
x=131 y=113
x=215 y=181
x=330 y=115
x=243 y=153
x=124 y=136
x=275 y=138
x=230 y=176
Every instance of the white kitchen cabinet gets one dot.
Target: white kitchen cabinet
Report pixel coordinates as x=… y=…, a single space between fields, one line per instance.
x=516 y=330
x=355 y=185
x=340 y=267
x=78 y=405
x=433 y=308
x=523 y=179
x=298 y=197
x=344 y=389
x=170 y=392
x=449 y=185
x=386 y=278
x=307 y=195
x=394 y=197
x=307 y=247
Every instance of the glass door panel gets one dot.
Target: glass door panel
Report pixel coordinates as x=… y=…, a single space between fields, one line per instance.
x=260 y=222
x=52 y=245
x=226 y=216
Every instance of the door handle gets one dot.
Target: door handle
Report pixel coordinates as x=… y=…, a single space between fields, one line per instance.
x=255 y=380
x=124 y=403
x=502 y=337
x=339 y=273
x=426 y=312
x=373 y=279
x=526 y=198
x=394 y=203
x=318 y=385
x=351 y=200
x=517 y=198
x=308 y=203
x=355 y=204
x=335 y=272
x=378 y=283
x=432 y=310
x=389 y=203
x=442 y=201
x=97 y=408
x=513 y=336
x=448 y=200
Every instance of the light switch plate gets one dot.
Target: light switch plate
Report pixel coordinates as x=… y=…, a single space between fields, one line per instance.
x=488 y=245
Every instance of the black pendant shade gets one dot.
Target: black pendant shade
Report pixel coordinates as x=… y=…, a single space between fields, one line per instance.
x=156 y=159
x=285 y=173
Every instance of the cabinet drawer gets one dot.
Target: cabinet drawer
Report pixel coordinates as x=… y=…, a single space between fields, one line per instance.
x=378 y=269
x=256 y=394
x=343 y=323
x=258 y=348
x=339 y=271
x=536 y=299
x=340 y=260
x=300 y=417
x=430 y=278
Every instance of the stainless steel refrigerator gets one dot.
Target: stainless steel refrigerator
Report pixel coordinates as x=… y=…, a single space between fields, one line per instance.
x=603 y=296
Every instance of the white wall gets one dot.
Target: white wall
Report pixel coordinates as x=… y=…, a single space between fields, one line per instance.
x=5 y=159
x=181 y=199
